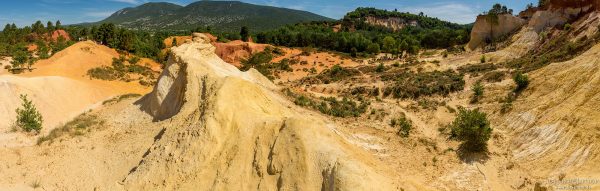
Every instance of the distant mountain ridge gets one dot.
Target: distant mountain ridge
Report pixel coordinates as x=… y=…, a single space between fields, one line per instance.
x=227 y=16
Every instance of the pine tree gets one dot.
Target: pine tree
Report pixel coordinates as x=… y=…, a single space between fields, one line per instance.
x=50 y=26
x=28 y=118
x=245 y=33
x=174 y=42
x=58 y=25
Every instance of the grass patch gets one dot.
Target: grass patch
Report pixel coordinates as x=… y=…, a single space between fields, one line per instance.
x=77 y=127
x=120 y=98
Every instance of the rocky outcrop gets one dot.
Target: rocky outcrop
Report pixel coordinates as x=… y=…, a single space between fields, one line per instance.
x=485 y=30
x=231 y=131
x=394 y=23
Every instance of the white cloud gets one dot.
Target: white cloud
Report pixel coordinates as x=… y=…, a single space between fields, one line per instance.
x=453 y=12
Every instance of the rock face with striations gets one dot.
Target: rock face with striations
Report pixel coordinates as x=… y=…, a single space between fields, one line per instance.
x=485 y=31
x=231 y=131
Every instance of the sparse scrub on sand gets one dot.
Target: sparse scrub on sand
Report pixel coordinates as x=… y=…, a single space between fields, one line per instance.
x=262 y=62
x=331 y=106
x=493 y=76
x=507 y=102
x=477 y=92
x=336 y=73
x=476 y=69
x=28 y=117
x=472 y=128
x=121 y=69
x=76 y=127
x=380 y=68
x=414 y=85
x=404 y=125
x=557 y=49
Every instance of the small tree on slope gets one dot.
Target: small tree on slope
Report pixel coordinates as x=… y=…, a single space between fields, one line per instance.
x=472 y=128
x=28 y=118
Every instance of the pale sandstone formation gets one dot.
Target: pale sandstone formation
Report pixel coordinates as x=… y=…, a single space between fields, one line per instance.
x=484 y=30
x=230 y=131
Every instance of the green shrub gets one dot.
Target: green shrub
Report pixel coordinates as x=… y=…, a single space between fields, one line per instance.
x=404 y=126
x=342 y=108
x=380 y=68
x=28 y=117
x=303 y=101
x=482 y=59
x=522 y=81
x=134 y=60
x=567 y=27
x=472 y=128
x=477 y=92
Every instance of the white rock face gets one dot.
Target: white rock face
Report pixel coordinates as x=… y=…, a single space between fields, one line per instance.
x=484 y=31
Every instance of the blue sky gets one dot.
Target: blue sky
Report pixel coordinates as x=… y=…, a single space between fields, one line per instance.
x=25 y=12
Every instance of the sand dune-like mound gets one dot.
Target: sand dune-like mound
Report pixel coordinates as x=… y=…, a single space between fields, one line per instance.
x=230 y=131
x=59 y=88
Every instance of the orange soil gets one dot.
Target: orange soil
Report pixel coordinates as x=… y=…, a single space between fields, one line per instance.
x=180 y=40
x=318 y=60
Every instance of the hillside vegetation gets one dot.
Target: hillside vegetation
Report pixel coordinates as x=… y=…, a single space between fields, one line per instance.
x=356 y=35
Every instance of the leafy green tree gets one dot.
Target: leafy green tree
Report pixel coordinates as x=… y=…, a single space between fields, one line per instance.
x=373 y=48
x=20 y=57
x=389 y=43
x=28 y=118
x=472 y=128
x=38 y=28
x=126 y=40
x=245 y=33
